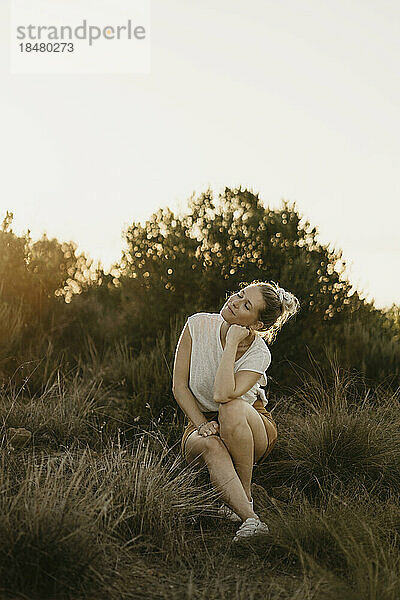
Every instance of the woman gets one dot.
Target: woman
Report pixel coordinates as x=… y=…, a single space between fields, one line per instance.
x=220 y=362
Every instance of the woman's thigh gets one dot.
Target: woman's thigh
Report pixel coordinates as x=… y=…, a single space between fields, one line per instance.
x=261 y=430
x=241 y=409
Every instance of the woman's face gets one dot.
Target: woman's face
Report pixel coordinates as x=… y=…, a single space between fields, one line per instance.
x=244 y=307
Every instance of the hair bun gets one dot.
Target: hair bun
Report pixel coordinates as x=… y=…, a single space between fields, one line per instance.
x=283 y=294
x=280 y=306
x=288 y=301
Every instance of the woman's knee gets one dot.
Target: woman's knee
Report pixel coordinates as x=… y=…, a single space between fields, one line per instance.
x=213 y=445
x=203 y=446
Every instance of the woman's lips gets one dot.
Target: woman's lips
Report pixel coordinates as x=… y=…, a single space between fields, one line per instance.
x=231 y=309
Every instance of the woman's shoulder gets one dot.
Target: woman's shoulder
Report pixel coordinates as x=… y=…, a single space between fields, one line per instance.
x=203 y=318
x=261 y=344
x=261 y=349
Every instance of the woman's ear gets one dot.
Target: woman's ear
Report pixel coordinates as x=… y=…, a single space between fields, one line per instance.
x=258 y=325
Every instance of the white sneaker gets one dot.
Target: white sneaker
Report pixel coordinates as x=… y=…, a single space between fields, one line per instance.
x=249 y=528
x=227 y=513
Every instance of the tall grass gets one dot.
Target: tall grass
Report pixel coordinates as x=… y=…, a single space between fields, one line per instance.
x=66 y=519
x=142 y=379
x=100 y=504
x=349 y=542
x=69 y=411
x=370 y=348
x=330 y=434
x=50 y=529
x=11 y=324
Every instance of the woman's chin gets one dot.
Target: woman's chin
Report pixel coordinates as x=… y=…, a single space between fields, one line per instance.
x=227 y=315
x=225 y=312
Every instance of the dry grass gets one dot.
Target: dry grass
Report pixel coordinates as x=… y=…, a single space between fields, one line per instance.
x=96 y=507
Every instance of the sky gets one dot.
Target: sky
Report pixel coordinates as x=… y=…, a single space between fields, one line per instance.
x=292 y=100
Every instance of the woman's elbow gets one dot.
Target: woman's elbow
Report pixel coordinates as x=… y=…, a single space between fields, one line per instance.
x=220 y=400
x=178 y=388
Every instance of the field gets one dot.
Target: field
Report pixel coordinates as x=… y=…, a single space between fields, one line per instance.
x=96 y=500
x=98 y=503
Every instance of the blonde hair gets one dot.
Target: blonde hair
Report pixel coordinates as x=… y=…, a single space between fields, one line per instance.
x=279 y=306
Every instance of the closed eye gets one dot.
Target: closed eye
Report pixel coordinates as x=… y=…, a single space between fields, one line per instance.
x=246 y=305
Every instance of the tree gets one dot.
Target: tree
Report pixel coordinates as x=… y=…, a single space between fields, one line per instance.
x=189 y=262
x=36 y=276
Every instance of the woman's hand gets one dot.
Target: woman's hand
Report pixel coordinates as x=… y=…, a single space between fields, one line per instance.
x=209 y=428
x=237 y=333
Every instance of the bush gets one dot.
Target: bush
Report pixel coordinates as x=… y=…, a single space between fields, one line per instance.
x=331 y=434
x=51 y=540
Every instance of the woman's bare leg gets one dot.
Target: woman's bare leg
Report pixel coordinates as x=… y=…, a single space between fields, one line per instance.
x=223 y=475
x=243 y=432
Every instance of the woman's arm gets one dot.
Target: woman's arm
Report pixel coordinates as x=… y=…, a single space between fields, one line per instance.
x=227 y=384
x=180 y=379
x=224 y=383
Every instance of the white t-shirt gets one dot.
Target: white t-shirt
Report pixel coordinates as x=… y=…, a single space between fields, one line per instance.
x=207 y=354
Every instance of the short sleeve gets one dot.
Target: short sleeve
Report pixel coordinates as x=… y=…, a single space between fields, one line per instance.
x=199 y=324
x=257 y=361
x=193 y=322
